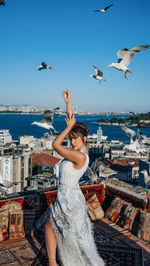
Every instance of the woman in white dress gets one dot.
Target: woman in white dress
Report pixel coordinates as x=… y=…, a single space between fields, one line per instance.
x=69 y=227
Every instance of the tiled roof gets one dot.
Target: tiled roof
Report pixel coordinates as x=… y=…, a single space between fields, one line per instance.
x=125 y=162
x=44 y=158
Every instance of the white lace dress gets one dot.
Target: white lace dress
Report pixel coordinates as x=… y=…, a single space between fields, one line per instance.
x=70 y=221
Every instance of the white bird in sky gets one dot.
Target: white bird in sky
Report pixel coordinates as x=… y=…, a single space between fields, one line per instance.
x=2 y=2
x=131 y=112
x=130 y=133
x=136 y=144
x=135 y=147
x=47 y=119
x=103 y=10
x=125 y=56
x=99 y=74
x=44 y=66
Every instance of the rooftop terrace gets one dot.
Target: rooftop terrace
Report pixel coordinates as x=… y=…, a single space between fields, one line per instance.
x=22 y=218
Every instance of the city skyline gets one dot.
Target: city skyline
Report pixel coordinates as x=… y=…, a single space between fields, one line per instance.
x=40 y=109
x=71 y=38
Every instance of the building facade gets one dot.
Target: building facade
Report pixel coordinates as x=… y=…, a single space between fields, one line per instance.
x=15 y=168
x=5 y=136
x=41 y=182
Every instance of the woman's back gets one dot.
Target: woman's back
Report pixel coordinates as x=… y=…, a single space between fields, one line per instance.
x=70 y=176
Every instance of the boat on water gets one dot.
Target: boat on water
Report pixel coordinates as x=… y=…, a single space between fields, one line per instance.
x=122 y=236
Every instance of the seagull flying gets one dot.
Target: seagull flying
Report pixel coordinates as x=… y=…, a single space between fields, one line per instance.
x=131 y=112
x=103 y=10
x=7 y=184
x=136 y=144
x=47 y=119
x=99 y=74
x=101 y=166
x=93 y=175
x=2 y=2
x=125 y=56
x=44 y=66
x=144 y=139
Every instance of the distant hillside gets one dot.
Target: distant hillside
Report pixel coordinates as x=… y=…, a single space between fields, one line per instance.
x=142 y=119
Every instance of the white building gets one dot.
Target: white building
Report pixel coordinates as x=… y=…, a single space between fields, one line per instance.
x=31 y=141
x=45 y=143
x=100 y=137
x=95 y=140
x=5 y=136
x=41 y=182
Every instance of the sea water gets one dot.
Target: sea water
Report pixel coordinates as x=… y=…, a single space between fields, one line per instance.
x=20 y=125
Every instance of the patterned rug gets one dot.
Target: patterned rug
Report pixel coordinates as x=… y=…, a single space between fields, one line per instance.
x=114 y=247
x=120 y=256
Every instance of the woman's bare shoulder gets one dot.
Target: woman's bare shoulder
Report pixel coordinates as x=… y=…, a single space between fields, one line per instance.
x=81 y=160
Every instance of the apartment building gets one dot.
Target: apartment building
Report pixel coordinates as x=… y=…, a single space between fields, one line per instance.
x=5 y=136
x=15 y=168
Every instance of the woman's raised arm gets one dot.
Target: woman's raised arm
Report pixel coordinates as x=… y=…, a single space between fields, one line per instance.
x=67 y=97
x=76 y=157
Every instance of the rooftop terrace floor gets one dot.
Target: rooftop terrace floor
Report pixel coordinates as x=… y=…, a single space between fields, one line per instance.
x=116 y=246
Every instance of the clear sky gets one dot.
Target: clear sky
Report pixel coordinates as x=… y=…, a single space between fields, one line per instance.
x=71 y=38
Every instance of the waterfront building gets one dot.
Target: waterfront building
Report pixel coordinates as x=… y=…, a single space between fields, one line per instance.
x=5 y=136
x=96 y=145
x=95 y=140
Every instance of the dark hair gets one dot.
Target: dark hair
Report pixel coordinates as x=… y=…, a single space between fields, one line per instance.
x=79 y=129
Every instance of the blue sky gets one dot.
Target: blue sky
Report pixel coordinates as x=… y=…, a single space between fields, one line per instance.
x=71 y=38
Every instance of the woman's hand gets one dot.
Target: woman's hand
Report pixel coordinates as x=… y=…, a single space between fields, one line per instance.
x=70 y=121
x=67 y=95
